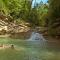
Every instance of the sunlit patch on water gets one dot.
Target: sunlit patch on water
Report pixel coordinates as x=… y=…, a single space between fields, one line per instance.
x=36 y=36
x=8 y=46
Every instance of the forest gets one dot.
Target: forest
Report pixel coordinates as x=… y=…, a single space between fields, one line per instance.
x=41 y=14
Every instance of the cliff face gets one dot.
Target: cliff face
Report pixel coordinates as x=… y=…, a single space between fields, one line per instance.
x=12 y=28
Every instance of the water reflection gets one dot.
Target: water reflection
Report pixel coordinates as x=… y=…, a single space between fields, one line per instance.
x=31 y=49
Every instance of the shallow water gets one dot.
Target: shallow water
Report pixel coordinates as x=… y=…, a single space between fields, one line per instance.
x=30 y=50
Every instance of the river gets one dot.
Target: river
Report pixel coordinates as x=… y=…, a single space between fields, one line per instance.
x=34 y=48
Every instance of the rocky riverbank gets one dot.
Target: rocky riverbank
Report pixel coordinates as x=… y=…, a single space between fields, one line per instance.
x=13 y=29
x=19 y=30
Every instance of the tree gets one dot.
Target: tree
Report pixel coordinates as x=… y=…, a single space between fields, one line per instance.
x=16 y=8
x=54 y=17
x=42 y=10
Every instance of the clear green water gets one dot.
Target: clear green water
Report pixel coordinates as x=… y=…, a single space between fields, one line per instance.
x=29 y=50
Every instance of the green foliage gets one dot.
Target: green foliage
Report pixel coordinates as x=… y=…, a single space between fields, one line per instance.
x=14 y=7
x=22 y=10
x=3 y=7
x=42 y=10
x=33 y=17
x=54 y=16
